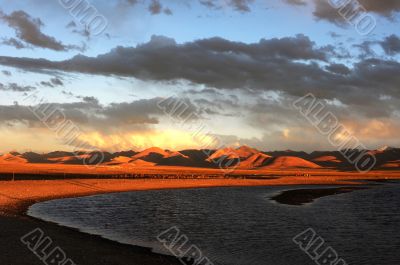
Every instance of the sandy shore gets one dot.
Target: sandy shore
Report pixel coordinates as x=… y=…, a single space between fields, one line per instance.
x=17 y=196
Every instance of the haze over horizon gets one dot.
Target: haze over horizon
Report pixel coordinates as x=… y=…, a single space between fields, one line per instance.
x=235 y=65
x=232 y=147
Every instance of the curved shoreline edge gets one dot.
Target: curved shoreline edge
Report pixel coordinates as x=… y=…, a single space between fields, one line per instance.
x=298 y=197
x=16 y=197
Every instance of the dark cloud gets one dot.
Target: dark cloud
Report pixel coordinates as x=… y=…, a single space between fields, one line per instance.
x=297 y=2
x=70 y=25
x=163 y=59
x=89 y=113
x=334 y=34
x=7 y=73
x=28 y=29
x=155 y=7
x=366 y=48
x=84 y=33
x=131 y=2
x=76 y=112
x=290 y=66
x=209 y=3
x=338 y=69
x=391 y=45
x=16 y=88
x=241 y=5
x=299 y=47
x=91 y=100
x=325 y=11
x=14 y=43
x=168 y=11
x=69 y=94
x=53 y=82
x=238 y=5
x=217 y=106
x=383 y=7
x=56 y=81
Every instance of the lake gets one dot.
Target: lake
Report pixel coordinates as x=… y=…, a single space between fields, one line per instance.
x=242 y=226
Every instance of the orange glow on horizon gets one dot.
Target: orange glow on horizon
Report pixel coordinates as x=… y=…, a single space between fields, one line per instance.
x=167 y=139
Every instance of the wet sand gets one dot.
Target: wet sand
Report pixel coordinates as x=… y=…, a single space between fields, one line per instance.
x=79 y=247
x=17 y=196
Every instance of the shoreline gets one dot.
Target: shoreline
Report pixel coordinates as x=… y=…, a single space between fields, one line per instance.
x=299 y=197
x=17 y=196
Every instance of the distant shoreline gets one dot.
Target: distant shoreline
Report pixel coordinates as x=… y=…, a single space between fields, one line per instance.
x=304 y=196
x=17 y=196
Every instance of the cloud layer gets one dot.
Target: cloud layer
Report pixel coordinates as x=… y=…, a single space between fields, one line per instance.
x=326 y=11
x=293 y=66
x=28 y=30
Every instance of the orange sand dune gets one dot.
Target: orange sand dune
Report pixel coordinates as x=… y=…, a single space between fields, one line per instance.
x=141 y=163
x=67 y=159
x=118 y=161
x=155 y=150
x=392 y=164
x=243 y=158
x=286 y=162
x=254 y=161
x=242 y=152
x=333 y=159
x=12 y=158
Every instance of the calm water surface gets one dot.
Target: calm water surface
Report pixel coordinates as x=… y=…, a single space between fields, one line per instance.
x=242 y=226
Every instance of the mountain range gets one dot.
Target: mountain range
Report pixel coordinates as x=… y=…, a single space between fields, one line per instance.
x=243 y=157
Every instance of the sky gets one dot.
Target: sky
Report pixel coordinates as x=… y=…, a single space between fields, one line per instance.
x=234 y=68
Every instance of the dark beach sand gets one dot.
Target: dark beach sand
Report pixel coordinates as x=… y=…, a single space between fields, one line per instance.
x=304 y=196
x=79 y=247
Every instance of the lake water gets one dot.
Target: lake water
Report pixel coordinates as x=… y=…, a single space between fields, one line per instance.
x=242 y=226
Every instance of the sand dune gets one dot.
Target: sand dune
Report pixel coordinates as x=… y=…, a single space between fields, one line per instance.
x=141 y=163
x=243 y=157
x=242 y=153
x=287 y=162
x=333 y=159
x=149 y=152
x=255 y=161
x=69 y=159
x=13 y=158
x=157 y=155
x=391 y=164
x=119 y=160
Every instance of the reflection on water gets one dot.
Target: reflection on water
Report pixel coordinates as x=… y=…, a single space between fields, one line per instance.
x=242 y=225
